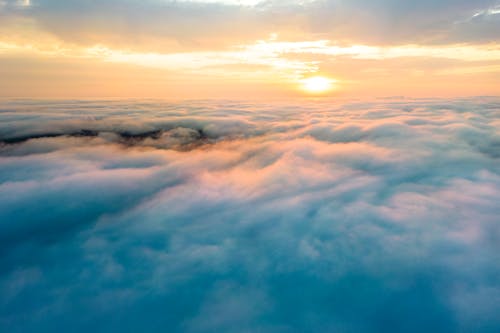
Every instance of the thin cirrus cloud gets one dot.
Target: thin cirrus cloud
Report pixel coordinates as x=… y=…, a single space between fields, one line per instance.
x=190 y=22
x=358 y=217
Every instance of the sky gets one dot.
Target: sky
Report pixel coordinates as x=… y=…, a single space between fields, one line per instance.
x=239 y=49
x=250 y=166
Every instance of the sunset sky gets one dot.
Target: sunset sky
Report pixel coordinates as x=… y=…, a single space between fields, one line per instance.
x=250 y=166
x=248 y=49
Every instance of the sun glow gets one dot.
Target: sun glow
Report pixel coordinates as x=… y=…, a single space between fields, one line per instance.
x=317 y=84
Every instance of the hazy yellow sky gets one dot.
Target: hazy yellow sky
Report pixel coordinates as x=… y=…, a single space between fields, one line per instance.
x=248 y=49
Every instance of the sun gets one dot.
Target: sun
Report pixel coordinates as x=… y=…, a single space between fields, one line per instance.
x=317 y=84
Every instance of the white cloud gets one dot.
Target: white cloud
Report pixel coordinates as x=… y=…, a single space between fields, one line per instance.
x=278 y=217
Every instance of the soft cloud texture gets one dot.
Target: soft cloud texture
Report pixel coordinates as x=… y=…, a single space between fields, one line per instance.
x=241 y=217
x=195 y=24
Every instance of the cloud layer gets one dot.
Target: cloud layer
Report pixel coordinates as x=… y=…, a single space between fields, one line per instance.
x=239 y=217
x=202 y=23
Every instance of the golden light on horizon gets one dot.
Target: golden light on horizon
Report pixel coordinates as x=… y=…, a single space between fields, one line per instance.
x=317 y=84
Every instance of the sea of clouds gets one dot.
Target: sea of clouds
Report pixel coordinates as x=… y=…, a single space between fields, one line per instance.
x=202 y=216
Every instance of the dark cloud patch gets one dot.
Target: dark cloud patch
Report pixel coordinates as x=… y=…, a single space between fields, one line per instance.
x=363 y=217
x=176 y=138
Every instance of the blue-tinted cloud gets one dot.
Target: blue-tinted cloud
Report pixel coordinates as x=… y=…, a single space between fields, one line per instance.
x=240 y=217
